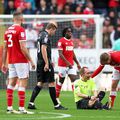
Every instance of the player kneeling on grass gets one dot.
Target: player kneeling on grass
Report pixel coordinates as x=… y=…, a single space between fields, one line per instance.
x=85 y=93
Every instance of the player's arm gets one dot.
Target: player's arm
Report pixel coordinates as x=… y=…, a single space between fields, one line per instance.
x=97 y=71
x=76 y=61
x=63 y=57
x=82 y=95
x=26 y=53
x=4 y=58
x=45 y=57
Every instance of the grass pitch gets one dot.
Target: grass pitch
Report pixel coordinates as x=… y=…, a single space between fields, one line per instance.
x=45 y=109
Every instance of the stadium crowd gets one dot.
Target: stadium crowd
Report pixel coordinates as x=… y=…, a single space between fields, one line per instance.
x=110 y=9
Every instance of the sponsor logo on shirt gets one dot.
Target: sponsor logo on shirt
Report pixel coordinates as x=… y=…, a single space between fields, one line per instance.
x=69 y=48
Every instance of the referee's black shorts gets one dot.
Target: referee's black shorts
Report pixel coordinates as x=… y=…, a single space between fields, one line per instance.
x=83 y=103
x=43 y=76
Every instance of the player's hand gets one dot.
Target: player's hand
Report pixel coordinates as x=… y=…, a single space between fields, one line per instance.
x=32 y=65
x=69 y=65
x=93 y=98
x=46 y=67
x=4 y=69
x=78 y=66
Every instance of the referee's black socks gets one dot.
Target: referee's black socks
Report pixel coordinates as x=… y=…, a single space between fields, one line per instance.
x=53 y=95
x=35 y=92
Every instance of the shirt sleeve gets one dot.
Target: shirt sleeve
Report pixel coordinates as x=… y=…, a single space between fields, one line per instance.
x=60 y=45
x=97 y=71
x=76 y=88
x=22 y=35
x=44 y=39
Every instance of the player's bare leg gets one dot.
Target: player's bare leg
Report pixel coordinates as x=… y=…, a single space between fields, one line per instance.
x=113 y=93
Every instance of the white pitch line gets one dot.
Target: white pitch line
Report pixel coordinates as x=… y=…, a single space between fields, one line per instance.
x=91 y=117
x=58 y=115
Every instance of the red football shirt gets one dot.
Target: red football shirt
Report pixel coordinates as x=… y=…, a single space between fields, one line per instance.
x=67 y=49
x=115 y=62
x=13 y=36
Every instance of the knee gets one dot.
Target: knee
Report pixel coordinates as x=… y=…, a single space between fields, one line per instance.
x=39 y=84
x=61 y=79
x=52 y=84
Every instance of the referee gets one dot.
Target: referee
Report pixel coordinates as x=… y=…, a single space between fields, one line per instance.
x=85 y=93
x=45 y=71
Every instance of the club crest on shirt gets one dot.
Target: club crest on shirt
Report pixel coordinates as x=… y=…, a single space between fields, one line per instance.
x=59 y=44
x=46 y=39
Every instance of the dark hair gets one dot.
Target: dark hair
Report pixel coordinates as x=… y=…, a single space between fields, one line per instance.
x=104 y=57
x=65 y=30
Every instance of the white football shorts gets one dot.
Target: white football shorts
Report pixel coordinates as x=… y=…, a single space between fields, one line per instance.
x=66 y=70
x=20 y=70
x=115 y=75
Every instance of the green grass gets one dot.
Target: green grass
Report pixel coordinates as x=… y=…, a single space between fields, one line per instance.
x=45 y=109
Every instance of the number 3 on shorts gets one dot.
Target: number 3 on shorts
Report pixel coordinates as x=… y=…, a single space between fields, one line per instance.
x=10 y=40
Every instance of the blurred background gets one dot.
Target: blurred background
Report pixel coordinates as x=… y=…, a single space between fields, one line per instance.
x=95 y=25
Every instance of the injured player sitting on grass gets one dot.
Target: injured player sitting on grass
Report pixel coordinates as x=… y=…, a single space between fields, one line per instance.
x=85 y=93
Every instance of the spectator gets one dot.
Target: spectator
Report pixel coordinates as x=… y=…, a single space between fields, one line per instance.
x=89 y=8
x=32 y=3
x=107 y=29
x=72 y=5
x=66 y=9
x=61 y=2
x=85 y=42
x=53 y=6
x=28 y=9
x=114 y=5
x=20 y=3
x=113 y=17
x=115 y=34
x=43 y=9
x=100 y=7
x=31 y=37
x=19 y=9
x=10 y=7
x=59 y=9
x=78 y=10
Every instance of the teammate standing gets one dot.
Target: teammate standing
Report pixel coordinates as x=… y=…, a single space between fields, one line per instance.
x=45 y=71
x=66 y=60
x=113 y=59
x=18 y=58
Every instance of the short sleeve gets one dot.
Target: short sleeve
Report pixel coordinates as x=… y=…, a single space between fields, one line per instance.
x=76 y=87
x=60 y=45
x=22 y=35
x=44 y=39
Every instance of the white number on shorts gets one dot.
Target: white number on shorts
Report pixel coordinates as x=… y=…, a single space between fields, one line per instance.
x=10 y=40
